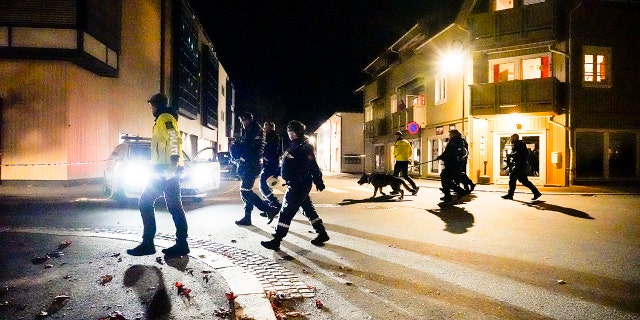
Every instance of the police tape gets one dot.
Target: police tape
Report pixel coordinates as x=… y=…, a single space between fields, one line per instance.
x=50 y=164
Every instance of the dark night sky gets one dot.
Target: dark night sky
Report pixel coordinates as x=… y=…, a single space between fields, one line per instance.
x=303 y=59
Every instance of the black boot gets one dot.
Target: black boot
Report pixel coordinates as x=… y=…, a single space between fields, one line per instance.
x=246 y=220
x=143 y=249
x=272 y=213
x=181 y=248
x=322 y=236
x=273 y=244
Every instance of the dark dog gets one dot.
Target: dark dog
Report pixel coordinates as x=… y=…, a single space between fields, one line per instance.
x=381 y=180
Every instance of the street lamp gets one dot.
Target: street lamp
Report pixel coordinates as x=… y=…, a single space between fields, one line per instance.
x=453 y=62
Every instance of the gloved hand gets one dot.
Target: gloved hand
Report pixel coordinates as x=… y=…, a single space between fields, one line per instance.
x=319 y=185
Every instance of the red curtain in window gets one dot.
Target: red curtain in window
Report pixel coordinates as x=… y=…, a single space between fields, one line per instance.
x=546 y=71
x=496 y=73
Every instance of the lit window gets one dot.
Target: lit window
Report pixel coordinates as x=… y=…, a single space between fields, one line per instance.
x=504 y=4
x=597 y=62
x=535 y=68
x=503 y=72
x=441 y=90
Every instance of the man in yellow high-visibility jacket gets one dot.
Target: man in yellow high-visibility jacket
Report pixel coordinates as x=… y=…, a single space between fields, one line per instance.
x=402 y=153
x=168 y=164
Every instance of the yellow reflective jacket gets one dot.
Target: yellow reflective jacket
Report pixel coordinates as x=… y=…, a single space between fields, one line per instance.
x=166 y=141
x=402 y=150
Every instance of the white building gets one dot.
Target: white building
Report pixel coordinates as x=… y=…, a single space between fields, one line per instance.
x=340 y=143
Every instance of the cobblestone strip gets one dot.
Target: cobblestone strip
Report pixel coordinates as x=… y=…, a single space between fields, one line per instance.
x=270 y=274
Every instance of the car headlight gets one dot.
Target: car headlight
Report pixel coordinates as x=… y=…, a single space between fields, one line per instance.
x=136 y=175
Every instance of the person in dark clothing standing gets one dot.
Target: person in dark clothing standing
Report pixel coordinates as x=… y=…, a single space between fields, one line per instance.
x=451 y=172
x=299 y=171
x=464 y=156
x=518 y=163
x=248 y=152
x=271 y=166
x=168 y=164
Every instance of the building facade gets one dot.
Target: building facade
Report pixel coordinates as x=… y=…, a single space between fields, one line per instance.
x=339 y=143
x=418 y=87
x=75 y=76
x=557 y=72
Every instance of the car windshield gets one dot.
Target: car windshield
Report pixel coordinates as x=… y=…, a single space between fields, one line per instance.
x=140 y=152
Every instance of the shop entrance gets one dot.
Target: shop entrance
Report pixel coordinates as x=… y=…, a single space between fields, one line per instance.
x=536 y=143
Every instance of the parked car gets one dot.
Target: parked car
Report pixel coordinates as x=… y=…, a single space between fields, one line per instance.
x=129 y=167
x=228 y=169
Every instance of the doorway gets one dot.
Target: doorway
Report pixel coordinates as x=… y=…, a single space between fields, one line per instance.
x=535 y=142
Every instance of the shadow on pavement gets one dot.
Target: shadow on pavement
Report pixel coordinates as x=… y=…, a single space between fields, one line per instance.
x=141 y=278
x=385 y=198
x=541 y=205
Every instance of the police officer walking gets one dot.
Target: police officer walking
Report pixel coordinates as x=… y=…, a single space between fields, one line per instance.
x=451 y=171
x=248 y=152
x=299 y=170
x=168 y=164
x=271 y=165
x=518 y=163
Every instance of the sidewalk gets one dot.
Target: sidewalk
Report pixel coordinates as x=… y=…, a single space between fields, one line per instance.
x=80 y=274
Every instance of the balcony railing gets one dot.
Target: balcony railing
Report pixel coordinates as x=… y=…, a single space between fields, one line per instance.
x=522 y=96
x=376 y=128
x=526 y=24
x=401 y=118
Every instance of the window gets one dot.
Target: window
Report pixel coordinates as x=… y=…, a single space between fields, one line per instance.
x=520 y=68
x=368 y=114
x=535 y=68
x=394 y=103
x=441 y=90
x=503 y=72
x=597 y=62
x=504 y=4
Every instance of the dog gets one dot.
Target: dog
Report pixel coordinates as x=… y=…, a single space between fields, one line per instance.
x=381 y=180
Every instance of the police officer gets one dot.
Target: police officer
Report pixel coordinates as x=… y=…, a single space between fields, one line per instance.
x=248 y=152
x=168 y=164
x=463 y=148
x=299 y=171
x=518 y=163
x=271 y=165
x=451 y=171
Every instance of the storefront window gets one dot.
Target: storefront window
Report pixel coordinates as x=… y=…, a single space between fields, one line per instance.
x=622 y=155
x=590 y=154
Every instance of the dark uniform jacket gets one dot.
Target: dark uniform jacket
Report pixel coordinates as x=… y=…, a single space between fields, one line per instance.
x=452 y=154
x=519 y=156
x=250 y=146
x=272 y=149
x=299 y=163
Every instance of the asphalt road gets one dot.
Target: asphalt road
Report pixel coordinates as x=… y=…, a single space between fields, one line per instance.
x=572 y=255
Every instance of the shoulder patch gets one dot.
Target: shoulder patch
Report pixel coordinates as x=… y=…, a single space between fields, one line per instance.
x=169 y=125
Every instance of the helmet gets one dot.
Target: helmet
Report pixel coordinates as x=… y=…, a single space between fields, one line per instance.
x=246 y=116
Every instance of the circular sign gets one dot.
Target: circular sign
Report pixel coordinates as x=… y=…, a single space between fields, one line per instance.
x=413 y=127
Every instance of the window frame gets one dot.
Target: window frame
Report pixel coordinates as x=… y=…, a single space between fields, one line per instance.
x=440 y=89
x=596 y=51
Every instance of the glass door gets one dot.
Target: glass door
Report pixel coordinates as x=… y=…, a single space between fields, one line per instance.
x=535 y=143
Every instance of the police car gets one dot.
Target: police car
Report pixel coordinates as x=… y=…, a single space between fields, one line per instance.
x=129 y=167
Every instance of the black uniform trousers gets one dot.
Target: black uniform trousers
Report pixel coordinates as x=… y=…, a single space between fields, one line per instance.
x=520 y=174
x=401 y=169
x=156 y=188
x=295 y=197
x=249 y=197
